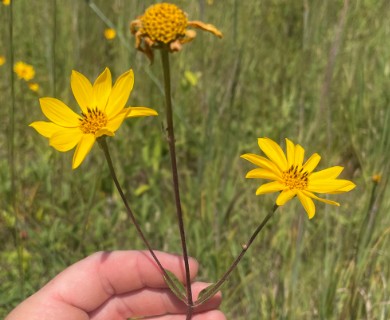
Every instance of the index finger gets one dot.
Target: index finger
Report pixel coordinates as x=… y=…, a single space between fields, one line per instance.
x=91 y=281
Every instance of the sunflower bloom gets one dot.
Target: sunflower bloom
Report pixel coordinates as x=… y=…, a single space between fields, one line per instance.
x=102 y=113
x=24 y=71
x=164 y=25
x=292 y=177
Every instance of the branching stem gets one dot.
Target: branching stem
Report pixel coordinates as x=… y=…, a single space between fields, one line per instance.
x=103 y=144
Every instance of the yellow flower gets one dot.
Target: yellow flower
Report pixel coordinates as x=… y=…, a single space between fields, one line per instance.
x=2 y=60
x=33 y=86
x=24 y=71
x=164 y=25
x=109 y=34
x=6 y=2
x=376 y=178
x=293 y=177
x=103 y=111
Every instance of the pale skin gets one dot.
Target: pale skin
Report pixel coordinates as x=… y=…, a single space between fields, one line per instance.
x=116 y=285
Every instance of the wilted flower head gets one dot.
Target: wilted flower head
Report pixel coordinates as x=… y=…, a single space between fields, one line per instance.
x=24 y=71
x=292 y=177
x=164 y=25
x=102 y=113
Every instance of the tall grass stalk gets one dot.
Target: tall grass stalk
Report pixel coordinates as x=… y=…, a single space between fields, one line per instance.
x=11 y=155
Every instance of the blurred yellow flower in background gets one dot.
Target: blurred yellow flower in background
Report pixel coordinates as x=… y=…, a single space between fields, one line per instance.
x=164 y=25
x=6 y=2
x=292 y=177
x=33 y=86
x=376 y=178
x=109 y=33
x=103 y=111
x=2 y=60
x=24 y=71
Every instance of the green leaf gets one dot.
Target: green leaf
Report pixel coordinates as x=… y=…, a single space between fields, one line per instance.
x=175 y=285
x=206 y=294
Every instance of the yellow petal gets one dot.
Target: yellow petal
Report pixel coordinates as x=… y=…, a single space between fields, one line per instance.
x=348 y=187
x=261 y=173
x=141 y=112
x=285 y=196
x=82 y=90
x=329 y=173
x=205 y=27
x=114 y=123
x=290 y=150
x=120 y=93
x=308 y=204
x=274 y=152
x=270 y=187
x=262 y=162
x=84 y=146
x=102 y=89
x=312 y=162
x=104 y=132
x=46 y=128
x=311 y=195
x=58 y=112
x=299 y=155
x=330 y=186
x=65 y=139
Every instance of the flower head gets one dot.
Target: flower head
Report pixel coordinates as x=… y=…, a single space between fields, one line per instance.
x=376 y=178
x=109 y=33
x=33 y=86
x=24 y=71
x=102 y=113
x=6 y=2
x=292 y=177
x=164 y=25
x=2 y=60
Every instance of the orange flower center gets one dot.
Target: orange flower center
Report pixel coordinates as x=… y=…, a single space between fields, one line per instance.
x=164 y=22
x=93 y=121
x=295 y=178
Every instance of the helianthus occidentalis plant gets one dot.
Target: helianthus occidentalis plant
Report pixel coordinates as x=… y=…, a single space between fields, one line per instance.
x=164 y=25
x=292 y=177
x=102 y=113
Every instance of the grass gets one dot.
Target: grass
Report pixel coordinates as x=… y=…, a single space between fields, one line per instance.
x=316 y=72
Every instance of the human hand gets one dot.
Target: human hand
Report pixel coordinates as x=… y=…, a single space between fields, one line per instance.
x=116 y=285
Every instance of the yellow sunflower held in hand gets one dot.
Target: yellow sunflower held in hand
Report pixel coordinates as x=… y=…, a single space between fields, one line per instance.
x=102 y=113
x=292 y=177
x=164 y=25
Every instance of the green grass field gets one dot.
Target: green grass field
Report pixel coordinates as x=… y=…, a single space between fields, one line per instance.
x=316 y=72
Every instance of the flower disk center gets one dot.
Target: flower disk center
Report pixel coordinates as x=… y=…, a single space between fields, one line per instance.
x=164 y=22
x=295 y=178
x=93 y=121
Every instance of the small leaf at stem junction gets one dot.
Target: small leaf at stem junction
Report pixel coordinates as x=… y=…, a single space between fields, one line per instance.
x=206 y=294
x=175 y=285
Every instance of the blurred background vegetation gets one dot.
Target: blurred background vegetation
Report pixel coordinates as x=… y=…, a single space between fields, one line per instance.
x=317 y=72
